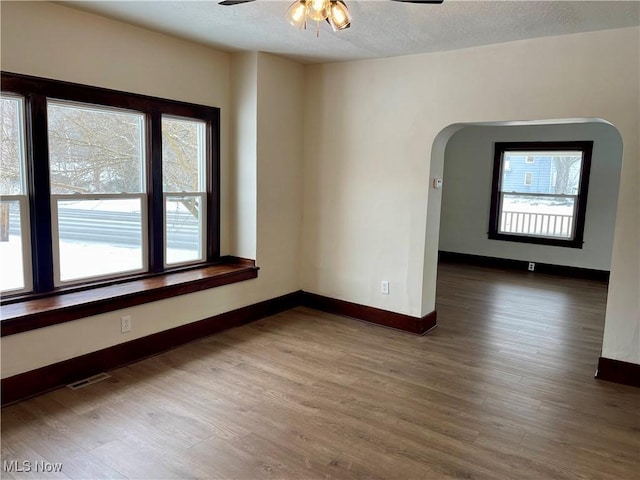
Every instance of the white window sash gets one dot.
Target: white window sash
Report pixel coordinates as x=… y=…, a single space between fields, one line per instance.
x=104 y=196
x=202 y=227
x=25 y=232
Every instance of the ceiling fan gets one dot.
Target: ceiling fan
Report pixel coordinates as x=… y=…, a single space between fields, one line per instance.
x=333 y=11
x=237 y=2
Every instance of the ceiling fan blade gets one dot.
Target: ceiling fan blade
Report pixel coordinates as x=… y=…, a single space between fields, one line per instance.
x=419 y=1
x=234 y=2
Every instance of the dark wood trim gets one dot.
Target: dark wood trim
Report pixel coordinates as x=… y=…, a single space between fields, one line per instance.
x=41 y=380
x=505 y=263
x=224 y=260
x=62 y=90
x=155 y=200
x=39 y=192
x=500 y=147
x=42 y=312
x=213 y=187
x=583 y=191
x=45 y=311
x=618 y=371
x=399 y=321
x=495 y=192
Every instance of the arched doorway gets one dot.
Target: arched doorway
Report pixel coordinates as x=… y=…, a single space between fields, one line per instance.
x=472 y=146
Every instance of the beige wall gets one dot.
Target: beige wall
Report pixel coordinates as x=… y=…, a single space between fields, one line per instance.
x=368 y=152
x=266 y=171
x=280 y=90
x=52 y=41
x=369 y=213
x=243 y=206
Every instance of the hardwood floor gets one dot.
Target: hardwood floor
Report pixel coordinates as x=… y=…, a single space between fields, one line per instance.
x=503 y=388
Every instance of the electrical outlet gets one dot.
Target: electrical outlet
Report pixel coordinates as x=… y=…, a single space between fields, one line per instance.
x=125 y=324
x=532 y=266
x=384 y=287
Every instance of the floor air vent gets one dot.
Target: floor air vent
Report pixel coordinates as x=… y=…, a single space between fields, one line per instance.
x=88 y=381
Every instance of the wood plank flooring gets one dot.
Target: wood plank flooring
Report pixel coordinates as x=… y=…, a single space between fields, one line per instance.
x=503 y=388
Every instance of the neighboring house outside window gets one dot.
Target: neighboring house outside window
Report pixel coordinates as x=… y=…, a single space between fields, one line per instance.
x=539 y=192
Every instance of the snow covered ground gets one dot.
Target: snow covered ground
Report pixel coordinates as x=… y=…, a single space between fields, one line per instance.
x=79 y=260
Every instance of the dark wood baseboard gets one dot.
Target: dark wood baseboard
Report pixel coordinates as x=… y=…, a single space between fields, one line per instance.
x=399 y=321
x=506 y=263
x=618 y=371
x=50 y=377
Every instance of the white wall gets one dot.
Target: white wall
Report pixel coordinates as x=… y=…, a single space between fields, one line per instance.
x=368 y=153
x=243 y=172
x=280 y=134
x=369 y=213
x=466 y=195
x=53 y=41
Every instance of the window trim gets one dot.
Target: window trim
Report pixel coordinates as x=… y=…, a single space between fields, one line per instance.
x=586 y=147
x=43 y=310
x=23 y=201
x=35 y=92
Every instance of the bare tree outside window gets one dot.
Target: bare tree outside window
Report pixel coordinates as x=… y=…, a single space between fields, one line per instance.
x=14 y=239
x=567 y=171
x=94 y=150
x=183 y=178
x=10 y=158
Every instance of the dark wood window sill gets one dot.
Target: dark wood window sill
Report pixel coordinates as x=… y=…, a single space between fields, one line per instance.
x=30 y=314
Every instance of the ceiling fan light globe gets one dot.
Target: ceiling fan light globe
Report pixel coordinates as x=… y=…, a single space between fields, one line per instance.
x=339 y=17
x=297 y=14
x=318 y=10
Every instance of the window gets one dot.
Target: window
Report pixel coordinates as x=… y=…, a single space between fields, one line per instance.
x=98 y=207
x=15 y=275
x=106 y=186
x=549 y=207
x=184 y=186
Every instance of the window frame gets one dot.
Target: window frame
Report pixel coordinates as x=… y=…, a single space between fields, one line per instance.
x=200 y=193
x=23 y=202
x=586 y=147
x=36 y=91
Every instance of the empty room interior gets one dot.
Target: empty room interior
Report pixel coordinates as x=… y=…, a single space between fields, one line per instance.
x=320 y=239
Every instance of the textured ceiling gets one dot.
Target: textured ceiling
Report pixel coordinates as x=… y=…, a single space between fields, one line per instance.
x=379 y=28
